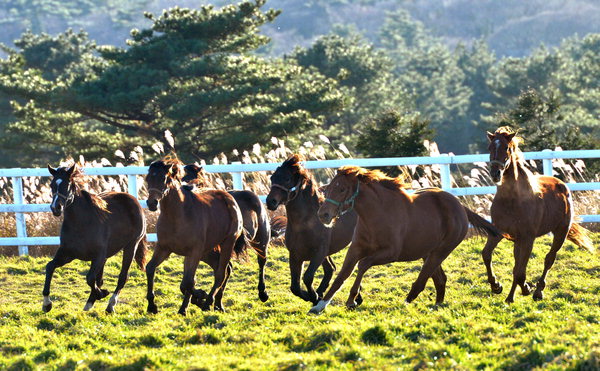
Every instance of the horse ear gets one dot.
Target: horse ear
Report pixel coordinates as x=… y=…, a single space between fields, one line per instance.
x=70 y=170
x=51 y=170
x=490 y=136
x=510 y=136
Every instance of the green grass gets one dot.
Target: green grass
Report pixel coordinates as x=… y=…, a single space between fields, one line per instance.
x=474 y=329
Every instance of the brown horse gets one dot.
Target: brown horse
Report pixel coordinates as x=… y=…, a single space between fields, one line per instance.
x=95 y=227
x=306 y=238
x=199 y=226
x=256 y=222
x=525 y=207
x=395 y=226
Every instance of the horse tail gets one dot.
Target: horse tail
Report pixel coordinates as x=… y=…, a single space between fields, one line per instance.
x=580 y=237
x=236 y=227
x=242 y=242
x=141 y=255
x=278 y=226
x=482 y=226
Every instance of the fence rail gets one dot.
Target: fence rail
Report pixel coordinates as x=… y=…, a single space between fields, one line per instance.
x=238 y=169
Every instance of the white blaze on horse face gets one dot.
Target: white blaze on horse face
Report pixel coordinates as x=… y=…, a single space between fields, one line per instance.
x=55 y=198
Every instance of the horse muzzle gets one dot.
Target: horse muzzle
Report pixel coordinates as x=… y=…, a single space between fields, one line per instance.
x=152 y=204
x=272 y=203
x=327 y=218
x=56 y=210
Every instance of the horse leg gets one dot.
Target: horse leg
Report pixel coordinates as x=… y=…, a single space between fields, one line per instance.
x=190 y=265
x=159 y=256
x=61 y=258
x=295 y=273
x=431 y=265
x=490 y=245
x=128 y=254
x=522 y=252
x=95 y=294
x=557 y=242
x=220 y=272
x=262 y=260
x=218 y=298
x=328 y=269
x=355 y=253
x=309 y=275
x=439 y=280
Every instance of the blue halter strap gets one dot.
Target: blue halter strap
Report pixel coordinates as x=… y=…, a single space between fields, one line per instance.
x=349 y=201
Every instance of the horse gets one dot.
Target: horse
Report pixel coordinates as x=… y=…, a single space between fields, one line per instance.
x=306 y=238
x=527 y=206
x=257 y=229
x=199 y=226
x=395 y=226
x=95 y=227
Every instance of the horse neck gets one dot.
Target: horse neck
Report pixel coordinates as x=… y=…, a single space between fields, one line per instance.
x=172 y=202
x=372 y=195
x=79 y=207
x=305 y=204
x=516 y=179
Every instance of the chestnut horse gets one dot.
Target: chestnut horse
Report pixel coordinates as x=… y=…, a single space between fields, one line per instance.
x=199 y=226
x=256 y=222
x=95 y=227
x=525 y=207
x=306 y=238
x=395 y=226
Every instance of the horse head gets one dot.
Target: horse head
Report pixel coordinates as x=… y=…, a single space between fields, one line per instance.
x=500 y=151
x=340 y=194
x=286 y=182
x=162 y=176
x=62 y=188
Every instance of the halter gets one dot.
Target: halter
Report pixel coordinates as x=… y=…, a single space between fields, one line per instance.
x=349 y=201
x=162 y=193
x=68 y=199
x=289 y=191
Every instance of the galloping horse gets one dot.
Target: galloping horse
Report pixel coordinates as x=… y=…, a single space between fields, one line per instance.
x=306 y=238
x=95 y=227
x=256 y=223
x=200 y=226
x=395 y=226
x=525 y=207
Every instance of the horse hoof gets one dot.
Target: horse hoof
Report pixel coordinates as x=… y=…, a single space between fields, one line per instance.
x=359 y=299
x=509 y=300
x=104 y=293
x=46 y=308
x=89 y=305
x=538 y=295
x=527 y=290
x=110 y=310
x=497 y=289
x=263 y=296
x=351 y=306
x=315 y=310
x=219 y=308
x=182 y=312
x=152 y=309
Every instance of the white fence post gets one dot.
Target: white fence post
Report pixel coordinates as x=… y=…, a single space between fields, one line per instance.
x=17 y=183
x=238 y=178
x=445 y=175
x=132 y=186
x=547 y=164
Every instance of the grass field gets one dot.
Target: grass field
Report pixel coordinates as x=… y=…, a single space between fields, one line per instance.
x=474 y=329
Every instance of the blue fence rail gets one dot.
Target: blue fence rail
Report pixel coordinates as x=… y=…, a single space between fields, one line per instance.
x=19 y=207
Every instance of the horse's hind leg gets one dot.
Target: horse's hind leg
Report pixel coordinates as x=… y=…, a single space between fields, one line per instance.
x=431 y=265
x=487 y=252
x=220 y=272
x=439 y=280
x=96 y=269
x=61 y=258
x=219 y=297
x=557 y=242
x=190 y=265
x=328 y=269
x=159 y=256
x=128 y=254
x=522 y=252
x=309 y=275
x=262 y=261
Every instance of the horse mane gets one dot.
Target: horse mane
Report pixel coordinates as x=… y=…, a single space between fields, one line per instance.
x=78 y=182
x=372 y=176
x=294 y=162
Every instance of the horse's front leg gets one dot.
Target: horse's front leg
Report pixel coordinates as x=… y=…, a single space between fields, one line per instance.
x=96 y=270
x=309 y=274
x=159 y=256
x=61 y=258
x=190 y=265
x=328 y=270
x=296 y=266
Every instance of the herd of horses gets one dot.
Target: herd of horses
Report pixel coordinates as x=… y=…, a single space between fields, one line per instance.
x=366 y=210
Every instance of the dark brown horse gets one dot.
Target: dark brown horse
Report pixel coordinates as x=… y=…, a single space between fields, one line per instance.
x=527 y=206
x=199 y=226
x=395 y=226
x=95 y=227
x=256 y=222
x=306 y=238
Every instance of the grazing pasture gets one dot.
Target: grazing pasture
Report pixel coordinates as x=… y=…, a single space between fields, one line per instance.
x=473 y=329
